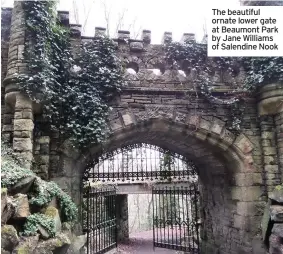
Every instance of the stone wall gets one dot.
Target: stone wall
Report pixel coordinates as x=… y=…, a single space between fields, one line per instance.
x=237 y=170
x=272 y=222
x=122 y=217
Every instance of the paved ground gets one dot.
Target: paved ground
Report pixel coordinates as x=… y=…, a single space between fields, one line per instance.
x=141 y=243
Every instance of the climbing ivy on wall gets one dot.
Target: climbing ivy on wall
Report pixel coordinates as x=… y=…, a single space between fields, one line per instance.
x=74 y=93
x=262 y=70
x=41 y=192
x=258 y=71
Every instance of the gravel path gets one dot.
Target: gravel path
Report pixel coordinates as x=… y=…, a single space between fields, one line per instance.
x=141 y=243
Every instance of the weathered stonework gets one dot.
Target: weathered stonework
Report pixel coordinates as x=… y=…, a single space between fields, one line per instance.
x=122 y=218
x=237 y=171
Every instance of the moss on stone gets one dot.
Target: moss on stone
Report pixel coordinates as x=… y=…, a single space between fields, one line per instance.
x=51 y=211
x=23 y=250
x=279 y=187
x=3 y=191
x=7 y=229
x=59 y=243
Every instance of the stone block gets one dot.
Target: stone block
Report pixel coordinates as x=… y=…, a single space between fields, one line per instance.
x=9 y=237
x=23 y=185
x=277 y=195
x=271 y=168
x=136 y=46
x=17 y=134
x=22 y=210
x=252 y=193
x=23 y=125
x=26 y=134
x=21 y=49
x=227 y=136
x=240 y=221
x=7 y=128
x=127 y=118
x=269 y=160
x=3 y=199
x=53 y=213
x=27 y=115
x=243 y=143
x=18 y=115
x=276 y=213
x=26 y=245
x=205 y=125
x=22 y=144
x=217 y=126
x=23 y=102
x=236 y=193
x=43 y=140
x=58 y=244
x=269 y=150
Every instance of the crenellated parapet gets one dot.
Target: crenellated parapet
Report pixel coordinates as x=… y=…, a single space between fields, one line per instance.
x=146 y=61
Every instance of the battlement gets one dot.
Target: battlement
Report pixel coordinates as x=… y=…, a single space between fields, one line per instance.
x=123 y=36
x=139 y=55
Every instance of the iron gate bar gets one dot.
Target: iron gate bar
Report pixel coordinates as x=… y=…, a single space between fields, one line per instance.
x=145 y=158
x=175 y=217
x=100 y=220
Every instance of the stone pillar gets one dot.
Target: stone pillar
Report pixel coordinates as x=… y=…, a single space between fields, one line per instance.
x=279 y=140
x=122 y=217
x=17 y=64
x=23 y=129
x=270 y=105
x=19 y=104
x=271 y=173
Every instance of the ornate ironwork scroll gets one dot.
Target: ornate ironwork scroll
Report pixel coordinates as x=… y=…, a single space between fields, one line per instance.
x=140 y=162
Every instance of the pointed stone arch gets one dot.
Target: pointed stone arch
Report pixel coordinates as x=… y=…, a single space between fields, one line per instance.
x=230 y=188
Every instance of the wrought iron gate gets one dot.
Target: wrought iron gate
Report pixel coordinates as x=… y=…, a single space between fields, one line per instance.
x=99 y=219
x=176 y=217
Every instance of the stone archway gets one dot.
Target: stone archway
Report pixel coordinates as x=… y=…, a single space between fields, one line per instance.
x=230 y=185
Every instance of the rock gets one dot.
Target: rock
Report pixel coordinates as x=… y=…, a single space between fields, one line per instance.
x=3 y=198
x=22 y=206
x=5 y=251
x=26 y=245
x=276 y=213
x=23 y=185
x=53 y=213
x=43 y=233
x=59 y=245
x=275 y=245
x=8 y=211
x=277 y=194
x=78 y=243
x=66 y=226
x=278 y=230
x=9 y=237
x=54 y=202
x=265 y=221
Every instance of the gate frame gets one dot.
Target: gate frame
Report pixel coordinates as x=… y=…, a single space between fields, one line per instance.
x=193 y=225
x=91 y=194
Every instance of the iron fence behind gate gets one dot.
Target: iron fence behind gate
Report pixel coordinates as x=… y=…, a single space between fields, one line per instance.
x=99 y=219
x=176 y=217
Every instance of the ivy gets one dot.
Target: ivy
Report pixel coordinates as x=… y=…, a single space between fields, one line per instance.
x=262 y=70
x=42 y=191
x=36 y=220
x=75 y=93
x=192 y=56
x=11 y=171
